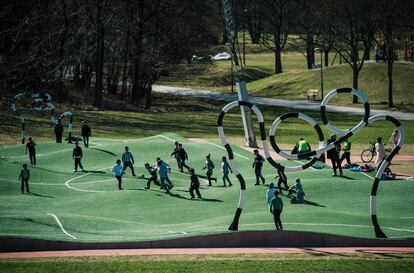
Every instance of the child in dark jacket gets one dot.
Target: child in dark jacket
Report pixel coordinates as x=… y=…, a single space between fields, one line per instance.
x=24 y=178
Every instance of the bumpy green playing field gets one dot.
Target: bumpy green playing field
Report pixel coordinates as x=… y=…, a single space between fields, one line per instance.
x=89 y=207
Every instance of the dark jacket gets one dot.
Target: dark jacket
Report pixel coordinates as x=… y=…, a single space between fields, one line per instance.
x=86 y=131
x=77 y=152
x=58 y=128
x=258 y=161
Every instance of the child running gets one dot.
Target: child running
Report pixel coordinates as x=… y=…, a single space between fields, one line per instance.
x=164 y=169
x=282 y=180
x=195 y=185
x=31 y=147
x=225 y=169
x=118 y=172
x=77 y=156
x=183 y=157
x=209 y=166
x=153 y=175
x=258 y=165
x=24 y=178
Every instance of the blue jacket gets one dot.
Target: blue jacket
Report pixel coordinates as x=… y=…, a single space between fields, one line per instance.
x=118 y=170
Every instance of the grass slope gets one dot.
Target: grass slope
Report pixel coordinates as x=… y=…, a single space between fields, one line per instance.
x=91 y=208
x=373 y=82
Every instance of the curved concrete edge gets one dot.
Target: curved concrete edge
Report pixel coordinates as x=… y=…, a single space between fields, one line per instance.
x=245 y=239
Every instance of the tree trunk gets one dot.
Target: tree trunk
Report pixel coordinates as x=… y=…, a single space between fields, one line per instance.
x=137 y=59
x=62 y=92
x=126 y=53
x=277 y=51
x=148 y=97
x=355 y=75
x=310 y=53
x=99 y=55
x=326 y=57
x=390 y=83
x=390 y=62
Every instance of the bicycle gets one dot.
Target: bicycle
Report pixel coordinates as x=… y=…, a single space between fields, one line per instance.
x=368 y=154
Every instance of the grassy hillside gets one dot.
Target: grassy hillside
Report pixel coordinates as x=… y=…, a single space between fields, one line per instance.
x=373 y=81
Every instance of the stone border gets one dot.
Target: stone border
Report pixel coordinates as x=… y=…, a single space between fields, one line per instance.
x=230 y=239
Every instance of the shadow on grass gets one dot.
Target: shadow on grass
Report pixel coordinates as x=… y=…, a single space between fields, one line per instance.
x=387 y=255
x=105 y=151
x=305 y=202
x=319 y=252
x=176 y=195
x=86 y=171
x=39 y=195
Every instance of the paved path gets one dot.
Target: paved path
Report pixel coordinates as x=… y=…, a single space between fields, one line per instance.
x=206 y=251
x=297 y=104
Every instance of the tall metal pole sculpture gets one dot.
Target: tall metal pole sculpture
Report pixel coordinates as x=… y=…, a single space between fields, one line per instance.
x=238 y=71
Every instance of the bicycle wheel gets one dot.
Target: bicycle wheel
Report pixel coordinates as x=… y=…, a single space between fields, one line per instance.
x=367 y=155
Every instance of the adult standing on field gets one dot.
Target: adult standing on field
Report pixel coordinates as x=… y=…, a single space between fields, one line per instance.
x=333 y=155
x=346 y=152
x=86 y=133
x=276 y=207
x=258 y=165
x=58 y=129
x=31 y=147
x=380 y=151
x=395 y=137
x=128 y=160
x=77 y=156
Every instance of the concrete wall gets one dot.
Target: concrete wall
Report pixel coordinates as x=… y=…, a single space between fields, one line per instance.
x=229 y=239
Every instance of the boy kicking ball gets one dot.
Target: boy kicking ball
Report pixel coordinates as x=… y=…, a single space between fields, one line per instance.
x=153 y=175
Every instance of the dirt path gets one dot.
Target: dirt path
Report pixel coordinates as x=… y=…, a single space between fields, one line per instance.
x=202 y=251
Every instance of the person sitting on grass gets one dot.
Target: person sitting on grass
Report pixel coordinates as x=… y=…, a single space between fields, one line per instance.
x=225 y=169
x=24 y=178
x=297 y=187
x=118 y=172
x=31 y=147
x=153 y=175
x=163 y=170
x=77 y=156
x=303 y=146
x=194 y=185
x=276 y=207
x=209 y=167
x=270 y=193
x=128 y=160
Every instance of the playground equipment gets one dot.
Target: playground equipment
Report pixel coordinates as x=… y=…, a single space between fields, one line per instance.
x=69 y=116
x=315 y=154
x=238 y=71
x=40 y=101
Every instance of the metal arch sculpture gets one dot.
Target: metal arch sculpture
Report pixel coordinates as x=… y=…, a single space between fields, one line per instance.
x=315 y=154
x=40 y=101
x=68 y=115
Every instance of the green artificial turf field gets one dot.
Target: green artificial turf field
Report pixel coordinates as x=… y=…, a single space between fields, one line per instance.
x=88 y=207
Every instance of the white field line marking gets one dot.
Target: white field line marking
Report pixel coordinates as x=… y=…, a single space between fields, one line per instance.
x=210 y=143
x=95 y=181
x=95 y=143
x=80 y=176
x=61 y=226
x=37 y=155
x=301 y=163
x=32 y=183
x=367 y=175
